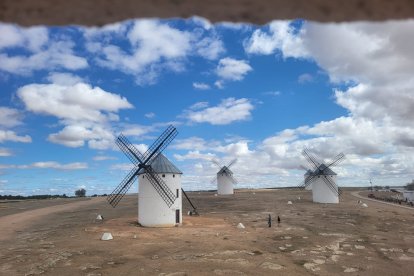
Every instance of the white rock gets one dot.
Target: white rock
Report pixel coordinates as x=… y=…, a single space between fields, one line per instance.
x=359 y=246
x=107 y=236
x=99 y=217
x=240 y=225
x=271 y=266
x=289 y=202
x=364 y=205
x=350 y=269
x=215 y=194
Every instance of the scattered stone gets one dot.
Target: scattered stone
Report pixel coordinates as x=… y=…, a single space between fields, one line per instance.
x=107 y=236
x=99 y=217
x=350 y=269
x=346 y=245
x=404 y=257
x=240 y=225
x=180 y=273
x=350 y=254
x=287 y=237
x=289 y=202
x=135 y=236
x=227 y=272
x=288 y=245
x=282 y=248
x=215 y=194
x=311 y=266
x=272 y=266
x=335 y=258
x=360 y=240
x=155 y=257
x=319 y=261
x=410 y=250
x=359 y=246
x=304 y=237
x=365 y=206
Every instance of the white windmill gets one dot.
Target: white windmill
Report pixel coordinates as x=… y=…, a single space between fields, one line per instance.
x=225 y=179
x=159 y=196
x=322 y=179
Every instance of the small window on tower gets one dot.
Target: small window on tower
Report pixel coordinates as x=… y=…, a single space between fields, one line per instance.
x=143 y=176
x=163 y=175
x=173 y=175
x=178 y=193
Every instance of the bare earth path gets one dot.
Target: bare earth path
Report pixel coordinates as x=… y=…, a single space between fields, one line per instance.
x=20 y=221
x=356 y=194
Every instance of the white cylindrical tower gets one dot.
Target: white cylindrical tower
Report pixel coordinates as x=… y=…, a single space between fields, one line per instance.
x=224 y=184
x=321 y=192
x=152 y=210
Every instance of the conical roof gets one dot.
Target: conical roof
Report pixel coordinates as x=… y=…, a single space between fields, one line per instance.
x=225 y=169
x=324 y=170
x=161 y=164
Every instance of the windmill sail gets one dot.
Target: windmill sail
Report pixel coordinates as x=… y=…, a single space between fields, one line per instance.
x=143 y=162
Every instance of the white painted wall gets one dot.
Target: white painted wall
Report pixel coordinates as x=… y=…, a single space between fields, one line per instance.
x=152 y=210
x=321 y=193
x=224 y=185
x=409 y=195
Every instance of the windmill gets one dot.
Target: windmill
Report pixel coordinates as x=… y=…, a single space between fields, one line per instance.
x=224 y=178
x=321 y=178
x=159 y=196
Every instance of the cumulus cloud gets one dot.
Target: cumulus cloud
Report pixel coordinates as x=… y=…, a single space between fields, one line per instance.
x=228 y=111
x=278 y=36
x=232 y=69
x=48 y=165
x=10 y=117
x=153 y=47
x=150 y=115
x=374 y=63
x=40 y=51
x=103 y=158
x=5 y=152
x=9 y=135
x=83 y=110
x=304 y=78
x=201 y=86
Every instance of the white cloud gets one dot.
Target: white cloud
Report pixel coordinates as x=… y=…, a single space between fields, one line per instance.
x=9 y=135
x=201 y=86
x=74 y=102
x=194 y=155
x=232 y=69
x=48 y=165
x=5 y=152
x=304 y=78
x=228 y=111
x=42 y=51
x=279 y=36
x=10 y=117
x=150 y=115
x=272 y=93
x=153 y=47
x=84 y=111
x=64 y=78
x=103 y=158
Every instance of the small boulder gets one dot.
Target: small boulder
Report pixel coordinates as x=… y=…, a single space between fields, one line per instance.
x=364 y=205
x=99 y=217
x=107 y=236
x=240 y=226
x=289 y=202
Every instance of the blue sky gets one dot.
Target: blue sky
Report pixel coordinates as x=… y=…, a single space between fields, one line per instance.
x=257 y=93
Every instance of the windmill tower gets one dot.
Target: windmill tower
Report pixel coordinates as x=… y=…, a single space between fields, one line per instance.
x=224 y=178
x=159 y=194
x=322 y=179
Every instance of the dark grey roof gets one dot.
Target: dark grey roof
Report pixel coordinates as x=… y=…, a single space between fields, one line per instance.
x=308 y=172
x=225 y=169
x=162 y=165
x=323 y=170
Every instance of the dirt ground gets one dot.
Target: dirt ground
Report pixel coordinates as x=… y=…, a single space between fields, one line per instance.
x=62 y=237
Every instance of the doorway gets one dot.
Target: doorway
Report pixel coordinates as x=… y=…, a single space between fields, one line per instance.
x=177 y=216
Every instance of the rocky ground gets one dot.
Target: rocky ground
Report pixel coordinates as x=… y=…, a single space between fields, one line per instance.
x=51 y=238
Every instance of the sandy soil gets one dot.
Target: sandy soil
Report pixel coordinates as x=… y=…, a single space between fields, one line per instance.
x=312 y=239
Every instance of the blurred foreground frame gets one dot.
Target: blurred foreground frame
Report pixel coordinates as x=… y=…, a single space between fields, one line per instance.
x=102 y=12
